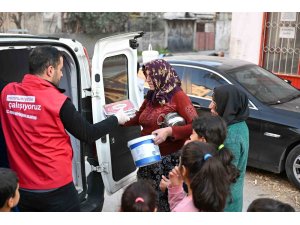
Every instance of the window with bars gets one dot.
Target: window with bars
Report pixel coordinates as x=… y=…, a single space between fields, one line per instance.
x=282 y=43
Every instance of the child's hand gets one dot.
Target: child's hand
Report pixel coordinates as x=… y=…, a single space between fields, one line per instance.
x=187 y=141
x=164 y=182
x=175 y=177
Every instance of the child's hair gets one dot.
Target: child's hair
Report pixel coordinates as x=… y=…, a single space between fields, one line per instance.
x=269 y=205
x=139 y=196
x=209 y=180
x=214 y=130
x=8 y=185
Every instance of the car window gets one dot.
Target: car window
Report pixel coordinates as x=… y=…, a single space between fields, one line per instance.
x=115 y=78
x=201 y=82
x=180 y=72
x=264 y=85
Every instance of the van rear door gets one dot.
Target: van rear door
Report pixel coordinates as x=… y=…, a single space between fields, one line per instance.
x=114 y=78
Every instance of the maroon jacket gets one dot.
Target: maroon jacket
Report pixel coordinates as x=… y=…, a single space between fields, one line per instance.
x=150 y=116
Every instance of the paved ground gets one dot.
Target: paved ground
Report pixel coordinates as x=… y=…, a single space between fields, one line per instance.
x=266 y=184
x=112 y=203
x=258 y=184
x=251 y=192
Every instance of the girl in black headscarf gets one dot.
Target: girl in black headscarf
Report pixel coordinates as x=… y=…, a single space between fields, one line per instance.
x=232 y=105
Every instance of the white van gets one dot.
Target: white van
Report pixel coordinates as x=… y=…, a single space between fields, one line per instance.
x=107 y=163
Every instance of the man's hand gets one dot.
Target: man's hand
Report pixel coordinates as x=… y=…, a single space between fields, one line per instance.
x=122 y=117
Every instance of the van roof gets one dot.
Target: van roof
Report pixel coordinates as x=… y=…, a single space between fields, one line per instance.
x=13 y=35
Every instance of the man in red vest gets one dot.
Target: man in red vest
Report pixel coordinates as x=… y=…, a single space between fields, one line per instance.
x=35 y=115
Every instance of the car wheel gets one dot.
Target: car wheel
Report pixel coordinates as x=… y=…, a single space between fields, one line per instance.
x=292 y=166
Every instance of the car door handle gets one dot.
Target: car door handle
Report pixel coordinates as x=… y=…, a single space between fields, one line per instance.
x=272 y=135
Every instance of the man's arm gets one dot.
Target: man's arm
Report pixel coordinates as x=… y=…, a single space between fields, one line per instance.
x=80 y=128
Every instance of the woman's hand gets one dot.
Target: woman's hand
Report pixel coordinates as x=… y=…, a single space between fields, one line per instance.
x=175 y=177
x=162 y=134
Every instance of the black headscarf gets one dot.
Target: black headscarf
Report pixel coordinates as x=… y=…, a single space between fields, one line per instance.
x=231 y=103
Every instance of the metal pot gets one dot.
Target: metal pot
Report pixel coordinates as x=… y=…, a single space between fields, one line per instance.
x=173 y=119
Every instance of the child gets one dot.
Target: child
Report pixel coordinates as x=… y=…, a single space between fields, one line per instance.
x=213 y=129
x=205 y=176
x=269 y=205
x=139 y=197
x=9 y=190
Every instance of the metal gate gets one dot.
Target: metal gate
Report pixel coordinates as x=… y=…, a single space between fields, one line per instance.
x=205 y=41
x=281 y=45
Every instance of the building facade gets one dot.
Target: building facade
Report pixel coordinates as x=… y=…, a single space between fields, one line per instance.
x=271 y=40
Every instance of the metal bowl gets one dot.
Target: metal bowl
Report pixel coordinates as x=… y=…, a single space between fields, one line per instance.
x=173 y=119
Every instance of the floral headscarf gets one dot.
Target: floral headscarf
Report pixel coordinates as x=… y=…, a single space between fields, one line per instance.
x=164 y=78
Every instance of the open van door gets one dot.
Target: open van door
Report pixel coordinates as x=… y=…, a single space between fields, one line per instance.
x=114 y=78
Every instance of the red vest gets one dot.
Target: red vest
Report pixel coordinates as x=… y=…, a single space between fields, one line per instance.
x=39 y=149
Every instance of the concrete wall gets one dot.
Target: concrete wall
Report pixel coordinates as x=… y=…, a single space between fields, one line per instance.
x=180 y=35
x=223 y=27
x=246 y=31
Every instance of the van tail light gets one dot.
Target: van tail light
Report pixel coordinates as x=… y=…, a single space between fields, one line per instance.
x=88 y=59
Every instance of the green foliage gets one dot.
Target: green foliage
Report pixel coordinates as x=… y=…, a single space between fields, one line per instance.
x=96 y=22
x=163 y=51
